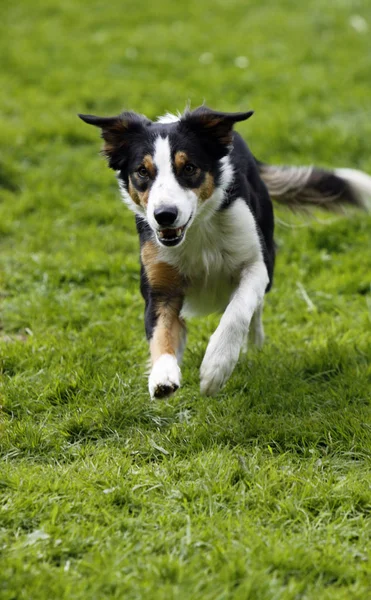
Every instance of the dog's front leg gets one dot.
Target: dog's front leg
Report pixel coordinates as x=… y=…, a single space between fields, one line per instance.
x=225 y=344
x=166 y=346
x=163 y=290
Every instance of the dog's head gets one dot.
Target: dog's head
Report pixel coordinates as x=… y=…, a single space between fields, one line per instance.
x=169 y=169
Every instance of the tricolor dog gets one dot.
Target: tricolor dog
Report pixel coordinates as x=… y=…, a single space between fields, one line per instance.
x=204 y=217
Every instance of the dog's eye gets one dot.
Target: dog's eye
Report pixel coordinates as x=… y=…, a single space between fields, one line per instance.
x=142 y=172
x=189 y=169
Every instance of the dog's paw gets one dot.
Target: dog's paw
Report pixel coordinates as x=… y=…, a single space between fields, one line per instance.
x=217 y=366
x=164 y=378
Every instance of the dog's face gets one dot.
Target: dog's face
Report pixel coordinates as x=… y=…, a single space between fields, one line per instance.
x=168 y=169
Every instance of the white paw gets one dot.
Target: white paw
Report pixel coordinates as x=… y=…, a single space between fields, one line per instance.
x=217 y=366
x=164 y=378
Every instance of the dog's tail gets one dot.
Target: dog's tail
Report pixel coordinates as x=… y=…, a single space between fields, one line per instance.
x=301 y=187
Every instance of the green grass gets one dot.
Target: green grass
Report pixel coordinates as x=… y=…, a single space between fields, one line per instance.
x=265 y=491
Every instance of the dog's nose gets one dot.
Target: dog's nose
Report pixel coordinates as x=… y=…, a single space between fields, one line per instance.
x=166 y=215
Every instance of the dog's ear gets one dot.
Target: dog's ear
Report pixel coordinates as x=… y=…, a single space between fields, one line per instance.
x=219 y=125
x=118 y=133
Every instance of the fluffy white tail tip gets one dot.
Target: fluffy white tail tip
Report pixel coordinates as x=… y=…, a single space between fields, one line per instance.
x=360 y=183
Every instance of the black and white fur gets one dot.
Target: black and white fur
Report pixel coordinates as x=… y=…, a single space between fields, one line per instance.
x=205 y=221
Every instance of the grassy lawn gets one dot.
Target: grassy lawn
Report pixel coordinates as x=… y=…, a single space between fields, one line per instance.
x=263 y=492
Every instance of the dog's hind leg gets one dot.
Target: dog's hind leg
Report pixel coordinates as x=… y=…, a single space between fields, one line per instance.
x=256 y=333
x=225 y=344
x=182 y=342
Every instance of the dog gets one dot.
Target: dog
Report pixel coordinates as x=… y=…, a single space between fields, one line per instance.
x=205 y=221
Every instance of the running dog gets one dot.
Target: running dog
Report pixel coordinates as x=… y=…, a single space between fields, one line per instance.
x=205 y=221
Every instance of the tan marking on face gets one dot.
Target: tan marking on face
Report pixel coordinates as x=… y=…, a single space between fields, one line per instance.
x=180 y=159
x=206 y=189
x=149 y=165
x=140 y=198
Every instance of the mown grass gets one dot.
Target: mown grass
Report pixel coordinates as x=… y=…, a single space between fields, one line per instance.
x=265 y=491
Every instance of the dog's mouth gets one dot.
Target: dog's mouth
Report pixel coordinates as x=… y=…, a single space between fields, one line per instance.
x=171 y=236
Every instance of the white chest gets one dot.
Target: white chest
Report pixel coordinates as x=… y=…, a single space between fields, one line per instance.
x=212 y=256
